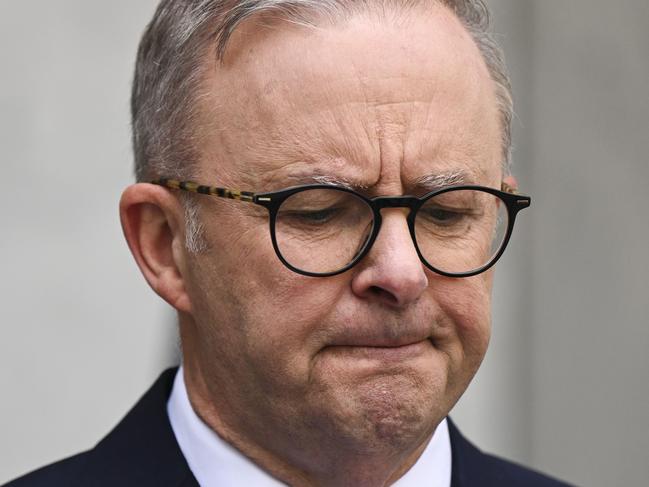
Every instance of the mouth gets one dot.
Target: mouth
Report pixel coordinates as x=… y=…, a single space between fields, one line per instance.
x=383 y=352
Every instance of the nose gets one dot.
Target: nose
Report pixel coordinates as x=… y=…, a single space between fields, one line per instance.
x=392 y=272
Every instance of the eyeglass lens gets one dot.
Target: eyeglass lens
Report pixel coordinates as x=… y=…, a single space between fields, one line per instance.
x=323 y=230
x=462 y=230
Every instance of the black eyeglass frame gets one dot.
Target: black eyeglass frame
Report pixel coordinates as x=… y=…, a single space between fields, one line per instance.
x=272 y=201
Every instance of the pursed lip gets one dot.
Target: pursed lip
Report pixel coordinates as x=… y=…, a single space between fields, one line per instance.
x=388 y=336
x=384 y=350
x=377 y=341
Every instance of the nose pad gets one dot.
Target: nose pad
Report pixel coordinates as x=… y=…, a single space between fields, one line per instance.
x=392 y=271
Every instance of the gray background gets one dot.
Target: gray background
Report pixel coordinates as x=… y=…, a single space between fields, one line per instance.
x=564 y=385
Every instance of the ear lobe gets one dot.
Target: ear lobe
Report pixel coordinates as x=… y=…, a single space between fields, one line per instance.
x=152 y=223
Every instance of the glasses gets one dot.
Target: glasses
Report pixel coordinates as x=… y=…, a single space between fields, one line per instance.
x=323 y=230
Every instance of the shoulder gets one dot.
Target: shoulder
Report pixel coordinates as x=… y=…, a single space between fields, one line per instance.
x=473 y=467
x=506 y=473
x=63 y=472
x=140 y=451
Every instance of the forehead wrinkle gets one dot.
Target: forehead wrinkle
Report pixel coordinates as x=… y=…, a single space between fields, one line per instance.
x=347 y=138
x=329 y=133
x=349 y=134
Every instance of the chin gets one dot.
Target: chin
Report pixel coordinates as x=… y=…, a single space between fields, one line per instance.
x=392 y=413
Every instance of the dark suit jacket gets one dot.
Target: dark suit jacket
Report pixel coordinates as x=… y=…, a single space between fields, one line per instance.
x=142 y=451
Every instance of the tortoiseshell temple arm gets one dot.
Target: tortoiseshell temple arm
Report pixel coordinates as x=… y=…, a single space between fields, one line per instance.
x=192 y=187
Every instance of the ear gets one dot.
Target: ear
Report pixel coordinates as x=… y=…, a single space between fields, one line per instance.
x=511 y=182
x=153 y=224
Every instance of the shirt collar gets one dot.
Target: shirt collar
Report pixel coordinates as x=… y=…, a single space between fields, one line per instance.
x=214 y=462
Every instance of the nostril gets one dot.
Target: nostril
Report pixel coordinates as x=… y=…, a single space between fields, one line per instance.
x=382 y=294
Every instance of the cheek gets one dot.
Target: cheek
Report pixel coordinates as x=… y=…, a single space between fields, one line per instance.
x=467 y=305
x=286 y=318
x=257 y=312
x=284 y=325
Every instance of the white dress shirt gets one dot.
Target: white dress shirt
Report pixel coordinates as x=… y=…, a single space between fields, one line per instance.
x=215 y=463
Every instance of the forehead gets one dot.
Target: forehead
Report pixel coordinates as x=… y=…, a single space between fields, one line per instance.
x=376 y=101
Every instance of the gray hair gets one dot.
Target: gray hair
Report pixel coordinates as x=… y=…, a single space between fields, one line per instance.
x=170 y=69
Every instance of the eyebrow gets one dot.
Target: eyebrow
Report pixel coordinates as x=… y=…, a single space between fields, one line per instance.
x=432 y=182
x=319 y=178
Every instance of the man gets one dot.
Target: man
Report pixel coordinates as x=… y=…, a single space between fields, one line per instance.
x=328 y=322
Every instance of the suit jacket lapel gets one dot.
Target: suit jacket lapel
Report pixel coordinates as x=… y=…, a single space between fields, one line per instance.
x=468 y=462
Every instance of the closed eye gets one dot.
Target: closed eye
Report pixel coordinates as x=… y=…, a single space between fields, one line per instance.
x=442 y=216
x=311 y=217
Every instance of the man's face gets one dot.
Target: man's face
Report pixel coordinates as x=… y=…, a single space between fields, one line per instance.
x=372 y=359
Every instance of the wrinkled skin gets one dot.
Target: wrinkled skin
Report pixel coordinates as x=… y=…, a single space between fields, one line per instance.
x=339 y=380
